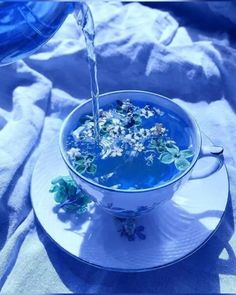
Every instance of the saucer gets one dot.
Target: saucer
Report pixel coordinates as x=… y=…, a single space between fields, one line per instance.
x=173 y=230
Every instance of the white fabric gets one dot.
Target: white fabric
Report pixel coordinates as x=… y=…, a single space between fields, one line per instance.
x=138 y=48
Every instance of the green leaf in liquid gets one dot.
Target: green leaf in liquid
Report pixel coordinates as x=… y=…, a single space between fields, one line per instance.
x=182 y=164
x=174 y=150
x=80 y=168
x=166 y=158
x=186 y=153
x=91 y=169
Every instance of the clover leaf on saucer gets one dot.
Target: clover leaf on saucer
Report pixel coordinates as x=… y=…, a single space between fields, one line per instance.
x=61 y=187
x=68 y=195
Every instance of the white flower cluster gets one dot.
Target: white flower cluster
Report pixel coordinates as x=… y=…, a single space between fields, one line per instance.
x=120 y=130
x=73 y=152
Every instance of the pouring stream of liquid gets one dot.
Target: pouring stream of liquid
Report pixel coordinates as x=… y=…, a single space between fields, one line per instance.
x=84 y=19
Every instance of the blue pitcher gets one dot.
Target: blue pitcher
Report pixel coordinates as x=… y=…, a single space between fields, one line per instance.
x=27 y=25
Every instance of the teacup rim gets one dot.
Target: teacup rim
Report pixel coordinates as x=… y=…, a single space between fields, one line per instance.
x=117 y=190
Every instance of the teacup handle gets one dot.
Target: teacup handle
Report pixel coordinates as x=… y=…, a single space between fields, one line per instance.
x=210 y=151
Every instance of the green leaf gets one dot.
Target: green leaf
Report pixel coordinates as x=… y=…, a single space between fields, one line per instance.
x=90 y=158
x=54 y=188
x=170 y=143
x=80 y=168
x=68 y=179
x=71 y=190
x=79 y=160
x=137 y=119
x=186 y=153
x=181 y=164
x=161 y=149
x=166 y=158
x=58 y=180
x=60 y=197
x=66 y=190
x=103 y=130
x=152 y=144
x=92 y=169
x=174 y=150
x=71 y=182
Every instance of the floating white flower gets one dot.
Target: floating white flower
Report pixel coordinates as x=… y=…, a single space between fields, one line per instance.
x=117 y=131
x=73 y=152
x=144 y=132
x=88 y=133
x=108 y=114
x=116 y=122
x=122 y=131
x=109 y=140
x=116 y=152
x=136 y=137
x=139 y=147
x=146 y=113
x=107 y=176
x=128 y=137
x=89 y=124
x=132 y=138
x=158 y=111
x=76 y=133
x=126 y=104
x=158 y=129
x=102 y=121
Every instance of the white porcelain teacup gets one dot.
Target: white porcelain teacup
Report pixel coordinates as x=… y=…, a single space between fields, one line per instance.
x=132 y=203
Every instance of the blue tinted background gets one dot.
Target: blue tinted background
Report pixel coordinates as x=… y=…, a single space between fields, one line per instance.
x=184 y=51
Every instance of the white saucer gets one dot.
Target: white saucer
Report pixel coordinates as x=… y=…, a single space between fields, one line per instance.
x=173 y=231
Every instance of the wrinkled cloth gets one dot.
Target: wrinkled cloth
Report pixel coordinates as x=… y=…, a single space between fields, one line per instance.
x=138 y=47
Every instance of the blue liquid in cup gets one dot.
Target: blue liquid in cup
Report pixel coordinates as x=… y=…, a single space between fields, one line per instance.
x=126 y=172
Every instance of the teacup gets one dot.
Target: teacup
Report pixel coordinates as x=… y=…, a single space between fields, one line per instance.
x=136 y=202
